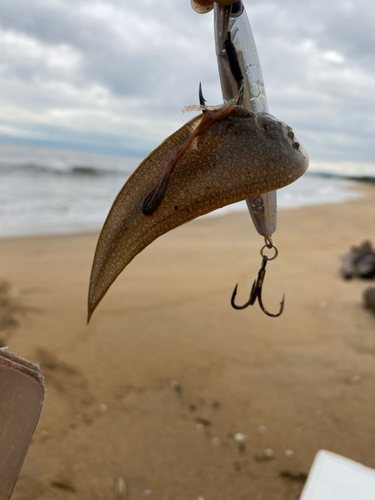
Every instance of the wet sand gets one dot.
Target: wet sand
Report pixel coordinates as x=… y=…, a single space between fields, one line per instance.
x=167 y=373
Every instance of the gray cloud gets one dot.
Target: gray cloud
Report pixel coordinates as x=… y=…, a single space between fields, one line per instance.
x=117 y=73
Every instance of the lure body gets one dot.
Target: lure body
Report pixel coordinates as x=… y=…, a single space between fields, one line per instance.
x=243 y=155
x=234 y=21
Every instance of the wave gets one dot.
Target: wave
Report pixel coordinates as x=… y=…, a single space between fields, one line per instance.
x=353 y=171
x=31 y=161
x=79 y=170
x=329 y=175
x=65 y=170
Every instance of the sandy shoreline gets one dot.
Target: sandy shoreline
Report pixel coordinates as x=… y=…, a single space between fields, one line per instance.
x=307 y=377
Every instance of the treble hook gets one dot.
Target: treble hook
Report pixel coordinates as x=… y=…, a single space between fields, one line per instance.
x=256 y=291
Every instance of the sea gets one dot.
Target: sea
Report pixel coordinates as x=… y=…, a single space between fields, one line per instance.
x=57 y=191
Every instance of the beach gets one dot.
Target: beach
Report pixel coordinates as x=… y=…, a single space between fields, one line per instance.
x=161 y=384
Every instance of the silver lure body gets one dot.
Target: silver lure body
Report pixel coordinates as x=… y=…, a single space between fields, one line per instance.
x=262 y=208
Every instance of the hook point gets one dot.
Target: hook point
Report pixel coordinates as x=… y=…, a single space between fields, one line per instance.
x=202 y=100
x=256 y=291
x=234 y=295
x=282 y=304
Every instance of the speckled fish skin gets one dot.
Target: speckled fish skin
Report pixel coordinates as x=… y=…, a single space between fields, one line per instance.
x=241 y=156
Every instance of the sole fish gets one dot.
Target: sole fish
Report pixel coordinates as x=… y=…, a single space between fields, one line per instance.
x=219 y=157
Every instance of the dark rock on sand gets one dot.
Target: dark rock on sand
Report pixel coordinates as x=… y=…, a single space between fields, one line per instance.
x=294 y=475
x=359 y=262
x=369 y=298
x=366 y=266
x=203 y=421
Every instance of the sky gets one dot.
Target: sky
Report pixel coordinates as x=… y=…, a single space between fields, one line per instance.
x=114 y=75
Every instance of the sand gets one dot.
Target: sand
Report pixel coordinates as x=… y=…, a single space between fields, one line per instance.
x=155 y=389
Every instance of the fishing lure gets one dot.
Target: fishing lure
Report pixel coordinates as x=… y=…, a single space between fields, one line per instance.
x=222 y=156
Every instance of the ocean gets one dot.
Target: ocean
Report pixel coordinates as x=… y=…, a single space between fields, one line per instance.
x=55 y=191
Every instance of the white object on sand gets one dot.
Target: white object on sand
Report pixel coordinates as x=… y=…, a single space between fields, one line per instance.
x=333 y=477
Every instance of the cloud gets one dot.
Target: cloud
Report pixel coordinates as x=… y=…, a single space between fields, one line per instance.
x=117 y=73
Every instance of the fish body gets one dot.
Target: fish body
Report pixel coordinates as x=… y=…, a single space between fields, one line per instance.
x=238 y=157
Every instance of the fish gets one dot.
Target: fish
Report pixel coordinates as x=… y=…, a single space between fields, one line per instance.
x=222 y=156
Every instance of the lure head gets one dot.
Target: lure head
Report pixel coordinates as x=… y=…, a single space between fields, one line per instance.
x=202 y=7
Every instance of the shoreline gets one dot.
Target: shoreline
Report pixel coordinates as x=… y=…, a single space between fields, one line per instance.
x=301 y=382
x=359 y=187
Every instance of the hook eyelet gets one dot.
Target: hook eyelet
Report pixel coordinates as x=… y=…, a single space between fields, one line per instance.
x=266 y=246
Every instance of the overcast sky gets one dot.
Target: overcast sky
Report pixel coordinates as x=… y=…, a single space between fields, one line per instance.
x=113 y=75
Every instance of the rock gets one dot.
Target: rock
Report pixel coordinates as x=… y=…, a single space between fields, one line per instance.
x=366 y=266
x=120 y=488
x=203 y=421
x=359 y=262
x=347 y=267
x=294 y=475
x=176 y=387
x=64 y=485
x=369 y=299
x=239 y=437
x=266 y=456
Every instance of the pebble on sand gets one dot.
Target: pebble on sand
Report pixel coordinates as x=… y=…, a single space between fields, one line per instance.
x=240 y=438
x=120 y=488
x=176 y=386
